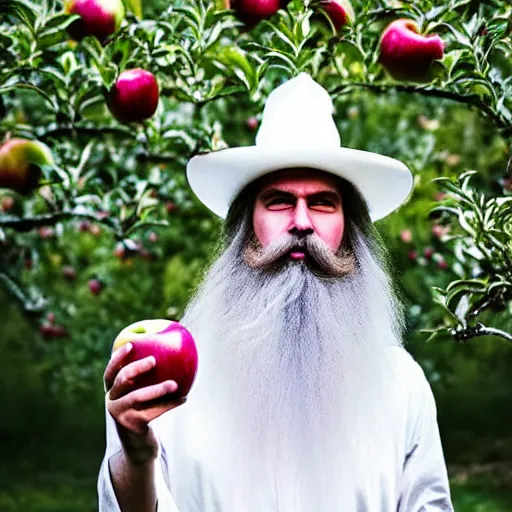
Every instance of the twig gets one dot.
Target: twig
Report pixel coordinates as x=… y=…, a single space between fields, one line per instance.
x=50 y=219
x=30 y=307
x=82 y=130
x=479 y=330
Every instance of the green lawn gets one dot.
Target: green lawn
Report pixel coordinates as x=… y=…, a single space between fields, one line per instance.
x=63 y=492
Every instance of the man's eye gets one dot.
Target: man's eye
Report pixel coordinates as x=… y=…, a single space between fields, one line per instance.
x=323 y=203
x=278 y=201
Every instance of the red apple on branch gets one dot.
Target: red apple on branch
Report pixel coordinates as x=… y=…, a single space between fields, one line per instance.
x=253 y=11
x=408 y=55
x=340 y=12
x=134 y=97
x=95 y=286
x=171 y=345
x=20 y=161
x=100 y=18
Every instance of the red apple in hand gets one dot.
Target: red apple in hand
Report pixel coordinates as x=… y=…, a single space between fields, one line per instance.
x=408 y=55
x=171 y=345
x=340 y=12
x=100 y=18
x=134 y=96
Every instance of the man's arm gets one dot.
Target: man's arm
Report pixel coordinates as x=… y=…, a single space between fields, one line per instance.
x=131 y=475
x=134 y=484
x=425 y=486
x=117 y=482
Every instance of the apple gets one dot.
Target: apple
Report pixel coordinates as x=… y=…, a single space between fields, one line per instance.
x=134 y=96
x=100 y=18
x=253 y=11
x=145 y=254
x=95 y=230
x=340 y=12
x=45 y=232
x=84 y=226
x=170 y=207
x=428 y=252
x=49 y=330
x=442 y=264
x=408 y=55
x=412 y=255
x=353 y=112
x=171 y=345
x=252 y=123
x=69 y=272
x=406 y=236
x=153 y=237
x=95 y=286
x=439 y=231
x=119 y=250
x=20 y=161
x=7 y=203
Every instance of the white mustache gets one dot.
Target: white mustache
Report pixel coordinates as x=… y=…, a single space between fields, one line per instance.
x=320 y=259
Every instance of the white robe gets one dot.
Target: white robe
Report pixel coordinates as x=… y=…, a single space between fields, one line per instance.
x=410 y=472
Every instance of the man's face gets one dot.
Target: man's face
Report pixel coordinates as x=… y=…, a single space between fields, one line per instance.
x=299 y=202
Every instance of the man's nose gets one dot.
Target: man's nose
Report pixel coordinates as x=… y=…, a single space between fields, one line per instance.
x=302 y=224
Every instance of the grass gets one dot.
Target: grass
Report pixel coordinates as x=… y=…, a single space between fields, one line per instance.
x=481 y=499
x=61 y=492
x=64 y=480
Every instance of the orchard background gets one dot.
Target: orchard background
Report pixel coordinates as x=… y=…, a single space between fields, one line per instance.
x=111 y=234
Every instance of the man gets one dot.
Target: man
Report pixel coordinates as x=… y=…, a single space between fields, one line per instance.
x=305 y=400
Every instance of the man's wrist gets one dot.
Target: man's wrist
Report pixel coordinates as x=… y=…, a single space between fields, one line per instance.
x=139 y=450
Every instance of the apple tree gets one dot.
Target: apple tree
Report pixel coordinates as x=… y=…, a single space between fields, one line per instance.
x=98 y=118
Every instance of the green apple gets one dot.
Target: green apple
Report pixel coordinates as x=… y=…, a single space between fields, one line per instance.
x=20 y=161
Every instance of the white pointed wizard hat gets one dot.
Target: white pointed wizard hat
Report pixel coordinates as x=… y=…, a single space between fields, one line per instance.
x=298 y=130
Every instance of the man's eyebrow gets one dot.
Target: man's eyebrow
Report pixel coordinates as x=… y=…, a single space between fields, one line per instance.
x=276 y=192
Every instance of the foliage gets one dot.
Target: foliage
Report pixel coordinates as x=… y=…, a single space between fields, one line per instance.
x=116 y=205
x=484 y=259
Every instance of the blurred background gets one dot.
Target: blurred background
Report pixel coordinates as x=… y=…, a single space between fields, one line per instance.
x=111 y=234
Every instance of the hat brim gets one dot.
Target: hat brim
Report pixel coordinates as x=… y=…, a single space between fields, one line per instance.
x=217 y=177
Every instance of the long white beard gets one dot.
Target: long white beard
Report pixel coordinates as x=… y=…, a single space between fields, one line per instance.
x=294 y=385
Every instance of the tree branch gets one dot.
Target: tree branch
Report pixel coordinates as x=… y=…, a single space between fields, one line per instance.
x=30 y=307
x=472 y=100
x=50 y=219
x=480 y=330
x=62 y=131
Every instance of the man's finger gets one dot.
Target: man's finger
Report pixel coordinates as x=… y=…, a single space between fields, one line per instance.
x=124 y=380
x=159 y=407
x=117 y=361
x=147 y=396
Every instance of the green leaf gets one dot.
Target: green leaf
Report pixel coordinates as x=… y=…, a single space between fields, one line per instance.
x=5 y=41
x=51 y=37
x=61 y=19
x=24 y=11
x=480 y=284
x=135 y=6
x=32 y=88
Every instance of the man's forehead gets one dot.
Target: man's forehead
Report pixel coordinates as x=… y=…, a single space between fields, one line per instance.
x=305 y=179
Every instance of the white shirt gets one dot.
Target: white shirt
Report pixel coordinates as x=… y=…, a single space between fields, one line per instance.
x=415 y=480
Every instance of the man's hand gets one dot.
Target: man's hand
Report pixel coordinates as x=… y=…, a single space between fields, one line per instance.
x=133 y=409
